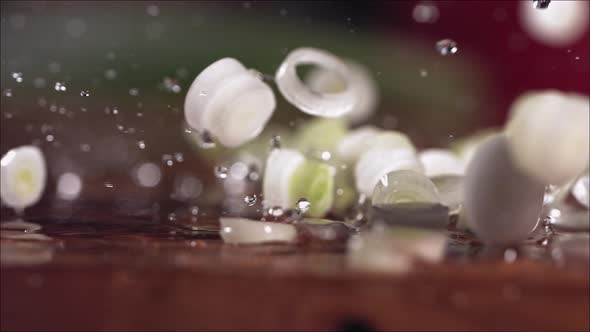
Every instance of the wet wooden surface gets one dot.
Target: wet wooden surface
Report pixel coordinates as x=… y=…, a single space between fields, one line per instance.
x=136 y=276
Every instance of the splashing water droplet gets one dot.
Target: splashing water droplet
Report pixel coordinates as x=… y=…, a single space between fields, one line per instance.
x=17 y=76
x=250 y=200
x=275 y=211
x=133 y=92
x=446 y=47
x=7 y=93
x=60 y=86
x=275 y=142
x=205 y=140
x=303 y=205
x=141 y=144
x=541 y=4
x=195 y=210
x=179 y=157
x=49 y=138
x=172 y=216
x=221 y=171
x=171 y=85
x=84 y=93
x=423 y=73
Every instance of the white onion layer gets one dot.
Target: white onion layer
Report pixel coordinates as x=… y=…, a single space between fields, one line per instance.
x=230 y=102
x=246 y=231
x=356 y=142
x=404 y=186
x=441 y=162
x=280 y=166
x=23 y=176
x=307 y=100
x=377 y=162
x=549 y=135
x=360 y=82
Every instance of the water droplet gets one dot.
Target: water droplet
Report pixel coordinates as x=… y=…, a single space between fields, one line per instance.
x=171 y=85
x=85 y=147
x=195 y=210
x=203 y=93
x=326 y=155
x=153 y=10
x=423 y=73
x=49 y=138
x=541 y=4
x=275 y=142
x=84 y=93
x=446 y=47
x=109 y=185
x=220 y=171
x=141 y=144
x=250 y=200
x=115 y=111
x=60 y=86
x=179 y=157
x=510 y=256
x=139 y=114
x=110 y=74
x=69 y=186
x=172 y=216
x=275 y=211
x=17 y=76
x=425 y=12
x=205 y=140
x=303 y=205
x=253 y=172
x=7 y=93
x=134 y=92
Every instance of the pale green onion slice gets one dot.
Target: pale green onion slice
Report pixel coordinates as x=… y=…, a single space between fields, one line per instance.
x=502 y=204
x=246 y=231
x=304 y=98
x=404 y=186
x=319 y=134
x=441 y=162
x=314 y=181
x=23 y=176
x=280 y=167
x=549 y=135
x=353 y=144
x=377 y=162
x=230 y=102
x=360 y=81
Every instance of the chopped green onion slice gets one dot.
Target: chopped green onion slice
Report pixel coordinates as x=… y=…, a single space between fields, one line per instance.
x=314 y=181
x=23 y=176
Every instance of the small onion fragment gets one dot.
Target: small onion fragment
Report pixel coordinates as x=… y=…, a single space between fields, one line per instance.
x=247 y=231
x=441 y=162
x=230 y=102
x=304 y=98
x=23 y=176
x=549 y=135
x=355 y=143
x=502 y=204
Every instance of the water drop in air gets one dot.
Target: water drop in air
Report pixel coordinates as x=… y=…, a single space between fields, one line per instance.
x=275 y=142
x=7 y=93
x=446 y=47
x=141 y=144
x=541 y=4
x=221 y=171
x=17 y=76
x=84 y=93
x=303 y=205
x=133 y=92
x=59 y=86
x=250 y=200
x=275 y=211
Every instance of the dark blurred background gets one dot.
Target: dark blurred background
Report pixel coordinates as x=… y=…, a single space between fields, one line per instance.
x=100 y=86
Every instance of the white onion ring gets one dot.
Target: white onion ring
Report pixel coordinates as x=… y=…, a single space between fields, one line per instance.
x=441 y=162
x=23 y=177
x=305 y=99
x=280 y=166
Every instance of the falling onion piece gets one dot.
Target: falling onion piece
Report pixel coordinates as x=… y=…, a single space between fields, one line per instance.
x=23 y=176
x=549 y=135
x=404 y=186
x=314 y=181
x=361 y=82
x=247 y=231
x=229 y=102
x=502 y=204
x=307 y=100
x=560 y=24
x=353 y=144
x=441 y=162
